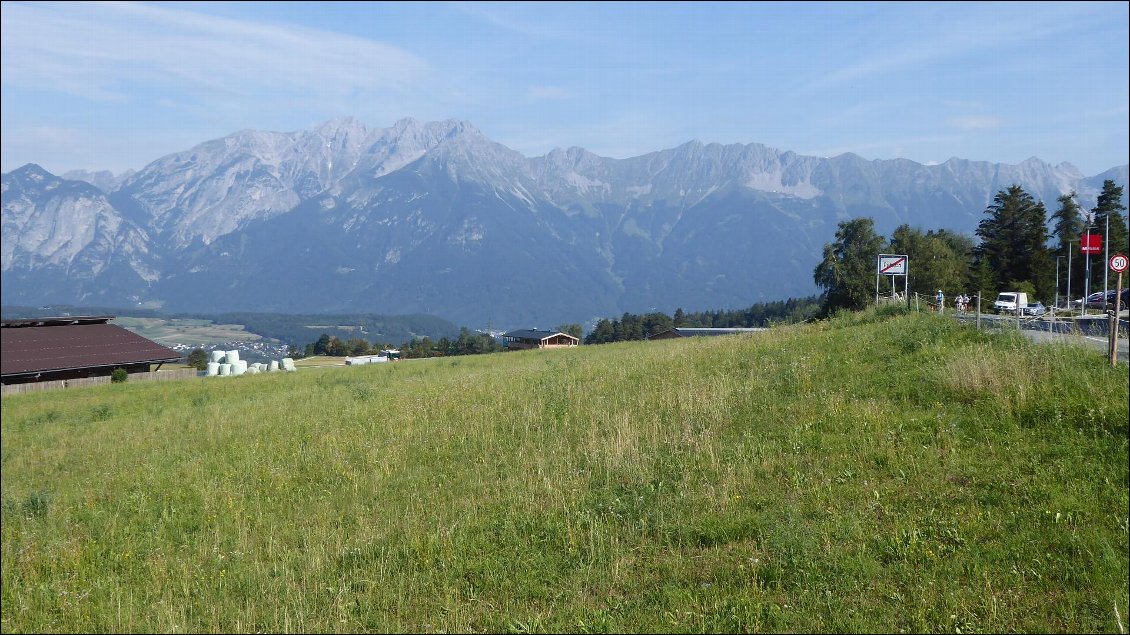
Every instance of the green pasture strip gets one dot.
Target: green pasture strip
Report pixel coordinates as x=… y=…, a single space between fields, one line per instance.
x=871 y=473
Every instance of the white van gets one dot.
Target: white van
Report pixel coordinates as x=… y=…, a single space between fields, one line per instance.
x=1008 y=301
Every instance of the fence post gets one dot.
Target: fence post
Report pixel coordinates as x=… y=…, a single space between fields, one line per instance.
x=1114 y=322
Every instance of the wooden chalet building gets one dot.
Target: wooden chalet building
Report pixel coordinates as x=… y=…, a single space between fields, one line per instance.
x=533 y=338
x=62 y=348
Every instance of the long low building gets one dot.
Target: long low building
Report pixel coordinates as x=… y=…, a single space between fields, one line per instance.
x=56 y=348
x=682 y=331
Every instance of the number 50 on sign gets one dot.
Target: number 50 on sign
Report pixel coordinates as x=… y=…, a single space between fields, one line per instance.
x=1118 y=263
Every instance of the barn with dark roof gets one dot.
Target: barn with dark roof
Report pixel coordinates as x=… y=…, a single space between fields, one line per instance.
x=58 y=348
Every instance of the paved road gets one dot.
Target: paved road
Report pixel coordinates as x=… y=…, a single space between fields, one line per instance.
x=1036 y=330
x=1100 y=344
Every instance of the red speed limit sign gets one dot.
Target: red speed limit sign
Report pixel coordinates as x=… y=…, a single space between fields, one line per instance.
x=1118 y=263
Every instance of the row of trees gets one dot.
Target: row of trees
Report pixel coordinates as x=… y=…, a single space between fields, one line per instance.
x=468 y=343
x=1015 y=251
x=628 y=327
x=640 y=327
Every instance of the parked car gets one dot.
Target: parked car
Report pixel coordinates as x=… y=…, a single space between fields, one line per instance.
x=1110 y=298
x=1099 y=301
x=1035 y=308
x=1094 y=300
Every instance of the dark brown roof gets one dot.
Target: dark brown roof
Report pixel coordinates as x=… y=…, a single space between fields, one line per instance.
x=535 y=334
x=57 y=321
x=65 y=343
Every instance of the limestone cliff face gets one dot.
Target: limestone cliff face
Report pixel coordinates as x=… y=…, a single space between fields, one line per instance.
x=437 y=218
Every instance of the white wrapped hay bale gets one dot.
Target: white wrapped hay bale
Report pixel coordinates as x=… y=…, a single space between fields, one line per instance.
x=288 y=364
x=232 y=357
x=225 y=370
x=238 y=367
x=253 y=370
x=274 y=366
x=218 y=356
x=213 y=369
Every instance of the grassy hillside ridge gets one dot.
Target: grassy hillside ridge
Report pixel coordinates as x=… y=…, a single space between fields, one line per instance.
x=866 y=473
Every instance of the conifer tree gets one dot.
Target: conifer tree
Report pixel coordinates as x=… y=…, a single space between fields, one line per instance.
x=1109 y=205
x=1067 y=228
x=1014 y=238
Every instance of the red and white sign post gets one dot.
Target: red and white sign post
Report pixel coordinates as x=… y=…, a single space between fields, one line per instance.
x=1089 y=244
x=1118 y=264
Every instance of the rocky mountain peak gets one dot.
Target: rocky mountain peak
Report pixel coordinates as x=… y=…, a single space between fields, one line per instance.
x=32 y=172
x=436 y=217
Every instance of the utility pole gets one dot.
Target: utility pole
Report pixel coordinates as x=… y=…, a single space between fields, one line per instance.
x=1069 y=245
x=1087 y=268
x=1106 y=256
x=1057 y=259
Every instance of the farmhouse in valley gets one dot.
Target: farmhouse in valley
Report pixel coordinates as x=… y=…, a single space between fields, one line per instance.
x=534 y=338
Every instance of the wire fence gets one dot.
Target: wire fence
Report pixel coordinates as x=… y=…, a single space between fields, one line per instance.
x=1081 y=325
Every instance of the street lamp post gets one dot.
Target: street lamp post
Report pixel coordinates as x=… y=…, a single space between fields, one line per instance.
x=1069 y=250
x=1087 y=267
x=1057 y=259
x=1106 y=255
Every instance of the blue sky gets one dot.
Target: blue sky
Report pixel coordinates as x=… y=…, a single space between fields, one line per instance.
x=117 y=85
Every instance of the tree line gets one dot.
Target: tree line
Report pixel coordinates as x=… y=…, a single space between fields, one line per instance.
x=1014 y=250
x=467 y=343
x=639 y=327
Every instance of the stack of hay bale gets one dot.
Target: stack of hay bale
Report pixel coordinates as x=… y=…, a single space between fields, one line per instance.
x=228 y=363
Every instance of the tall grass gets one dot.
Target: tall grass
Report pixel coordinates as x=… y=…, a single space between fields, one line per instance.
x=873 y=472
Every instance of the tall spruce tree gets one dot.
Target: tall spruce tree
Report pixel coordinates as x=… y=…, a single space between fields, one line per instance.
x=1109 y=205
x=1014 y=238
x=847 y=272
x=1067 y=227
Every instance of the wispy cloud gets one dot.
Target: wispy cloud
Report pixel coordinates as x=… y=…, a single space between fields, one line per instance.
x=890 y=147
x=103 y=51
x=547 y=93
x=48 y=142
x=625 y=134
x=975 y=122
x=938 y=35
x=520 y=19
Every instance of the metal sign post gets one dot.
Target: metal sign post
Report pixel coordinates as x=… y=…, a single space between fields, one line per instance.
x=893 y=265
x=1118 y=263
x=1089 y=244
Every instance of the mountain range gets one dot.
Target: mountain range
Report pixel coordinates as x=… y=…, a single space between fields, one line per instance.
x=437 y=218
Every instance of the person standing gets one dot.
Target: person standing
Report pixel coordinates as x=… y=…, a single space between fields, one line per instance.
x=941 y=300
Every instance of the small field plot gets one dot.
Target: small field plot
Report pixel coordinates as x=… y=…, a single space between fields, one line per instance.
x=186 y=331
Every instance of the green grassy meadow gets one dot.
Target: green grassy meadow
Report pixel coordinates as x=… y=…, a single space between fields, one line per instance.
x=186 y=331
x=871 y=473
